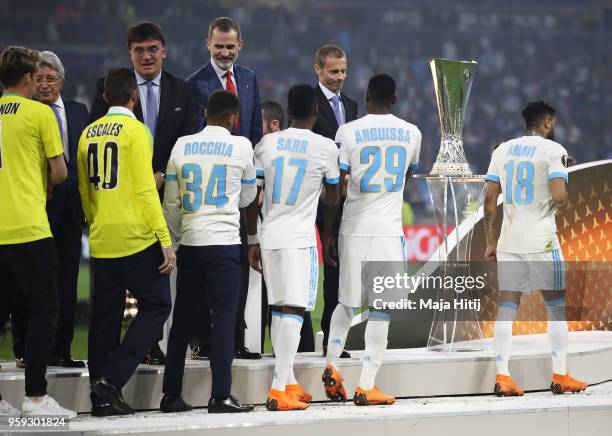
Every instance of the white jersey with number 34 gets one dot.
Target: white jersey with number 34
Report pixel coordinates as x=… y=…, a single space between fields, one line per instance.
x=523 y=167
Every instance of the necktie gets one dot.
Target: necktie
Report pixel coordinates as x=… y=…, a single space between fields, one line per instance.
x=231 y=87
x=61 y=128
x=151 y=108
x=337 y=111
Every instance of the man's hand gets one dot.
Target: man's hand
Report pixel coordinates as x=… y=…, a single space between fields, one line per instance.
x=169 y=260
x=330 y=252
x=159 y=180
x=491 y=253
x=255 y=257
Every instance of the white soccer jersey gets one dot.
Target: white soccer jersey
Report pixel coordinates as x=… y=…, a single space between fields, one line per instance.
x=377 y=150
x=292 y=165
x=209 y=176
x=523 y=168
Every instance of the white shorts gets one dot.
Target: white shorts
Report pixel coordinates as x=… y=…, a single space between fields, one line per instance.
x=291 y=276
x=528 y=272
x=353 y=250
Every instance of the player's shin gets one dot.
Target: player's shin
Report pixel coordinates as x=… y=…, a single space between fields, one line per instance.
x=376 y=332
x=557 y=335
x=503 y=335
x=288 y=341
x=338 y=330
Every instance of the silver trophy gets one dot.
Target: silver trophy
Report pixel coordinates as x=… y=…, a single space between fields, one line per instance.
x=453 y=82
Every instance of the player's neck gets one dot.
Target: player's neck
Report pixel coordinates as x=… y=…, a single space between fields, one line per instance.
x=534 y=132
x=18 y=90
x=302 y=124
x=378 y=110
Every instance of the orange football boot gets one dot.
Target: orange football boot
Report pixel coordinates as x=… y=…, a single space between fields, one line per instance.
x=332 y=382
x=372 y=397
x=565 y=383
x=296 y=392
x=280 y=400
x=505 y=387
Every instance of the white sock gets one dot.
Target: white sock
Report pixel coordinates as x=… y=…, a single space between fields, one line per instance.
x=376 y=332
x=288 y=340
x=557 y=335
x=338 y=330
x=274 y=326
x=503 y=335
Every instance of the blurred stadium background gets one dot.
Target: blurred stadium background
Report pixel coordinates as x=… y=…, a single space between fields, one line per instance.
x=557 y=50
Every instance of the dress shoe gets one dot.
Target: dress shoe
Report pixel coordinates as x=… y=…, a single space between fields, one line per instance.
x=199 y=353
x=155 y=356
x=106 y=409
x=109 y=393
x=245 y=353
x=344 y=355
x=173 y=403
x=65 y=362
x=20 y=363
x=227 y=405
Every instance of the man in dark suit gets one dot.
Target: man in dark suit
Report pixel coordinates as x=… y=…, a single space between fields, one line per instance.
x=166 y=105
x=64 y=213
x=221 y=72
x=335 y=109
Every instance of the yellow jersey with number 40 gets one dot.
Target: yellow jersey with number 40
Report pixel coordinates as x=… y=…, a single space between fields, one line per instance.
x=29 y=134
x=117 y=186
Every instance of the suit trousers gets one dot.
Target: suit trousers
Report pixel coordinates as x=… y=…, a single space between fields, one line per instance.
x=213 y=273
x=30 y=270
x=140 y=274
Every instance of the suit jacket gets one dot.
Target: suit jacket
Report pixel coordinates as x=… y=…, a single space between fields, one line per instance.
x=326 y=124
x=66 y=199
x=205 y=81
x=176 y=116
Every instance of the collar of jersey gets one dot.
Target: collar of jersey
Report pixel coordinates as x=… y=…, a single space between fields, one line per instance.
x=216 y=129
x=120 y=110
x=11 y=94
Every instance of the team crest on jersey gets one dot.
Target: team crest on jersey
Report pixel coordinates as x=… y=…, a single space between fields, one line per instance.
x=565 y=161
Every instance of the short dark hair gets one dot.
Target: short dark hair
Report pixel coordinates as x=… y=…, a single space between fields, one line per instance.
x=381 y=89
x=119 y=85
x=328 y=50
x=16 y=62
x=221 y=103
x=144 y=30
x=301 y=101
x=273 y=111
x=535 y=112
x=224 y=24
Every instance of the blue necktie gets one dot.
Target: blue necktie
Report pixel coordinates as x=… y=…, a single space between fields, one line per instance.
x=337 y=111
x=61 y=129
x=151 y=108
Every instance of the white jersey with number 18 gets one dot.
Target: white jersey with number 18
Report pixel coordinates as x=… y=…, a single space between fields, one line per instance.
x=377 y=150
x=523 y=167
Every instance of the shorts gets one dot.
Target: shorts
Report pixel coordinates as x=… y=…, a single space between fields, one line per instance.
x=528 y=272
x=291 y=276
x=353 y=251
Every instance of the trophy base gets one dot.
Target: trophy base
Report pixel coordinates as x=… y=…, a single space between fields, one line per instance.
x=450 y=169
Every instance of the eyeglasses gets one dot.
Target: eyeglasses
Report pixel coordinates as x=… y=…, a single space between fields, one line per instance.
x=153 y=50
x=51 y=80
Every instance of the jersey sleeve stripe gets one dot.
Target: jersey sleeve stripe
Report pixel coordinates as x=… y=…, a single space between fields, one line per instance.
x=332 y=181
x=171 y=177
x=259 y=173
x=492 y=178
x=344 y=166
x=557 y=174
x=248 y=181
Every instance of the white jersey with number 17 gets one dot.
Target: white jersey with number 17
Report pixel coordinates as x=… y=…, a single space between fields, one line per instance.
x=376 y=150
x=523 y=167
x=293 y=165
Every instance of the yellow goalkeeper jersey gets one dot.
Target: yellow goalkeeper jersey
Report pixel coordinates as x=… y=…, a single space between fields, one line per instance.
x=117 y=186
x=29 y=134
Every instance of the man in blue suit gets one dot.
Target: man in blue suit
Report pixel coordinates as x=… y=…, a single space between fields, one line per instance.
x=221 y=72
x=64 y=212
